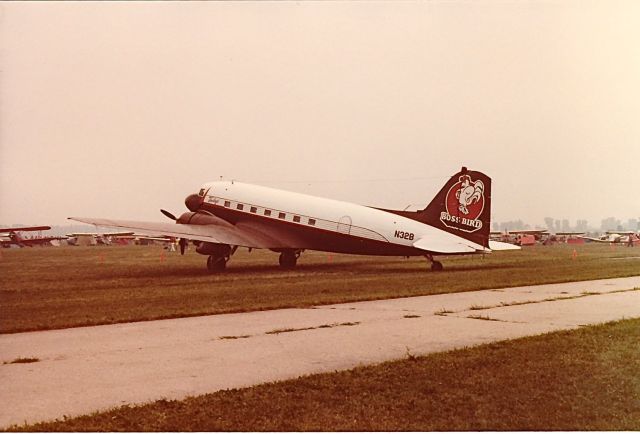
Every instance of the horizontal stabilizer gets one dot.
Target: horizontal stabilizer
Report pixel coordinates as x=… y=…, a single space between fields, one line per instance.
x=498 y=245
x=447 y=245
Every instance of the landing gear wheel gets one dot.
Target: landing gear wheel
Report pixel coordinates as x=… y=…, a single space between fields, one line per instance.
x=216 y=264
x=436 y=266
x=288 y=260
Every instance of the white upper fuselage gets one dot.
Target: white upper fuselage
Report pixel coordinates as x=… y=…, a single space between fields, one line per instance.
x=321 y=213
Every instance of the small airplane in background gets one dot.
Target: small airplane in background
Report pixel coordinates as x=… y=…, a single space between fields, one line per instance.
x=142 y=239
x=526 y=237
x=225 y=215
x=14 y=236
x=94 y=238
x=618 y=237
x=565 y=237
x=521 y=237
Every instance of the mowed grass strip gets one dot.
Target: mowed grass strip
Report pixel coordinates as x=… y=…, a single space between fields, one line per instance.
x=51 y=288
x=585 y=379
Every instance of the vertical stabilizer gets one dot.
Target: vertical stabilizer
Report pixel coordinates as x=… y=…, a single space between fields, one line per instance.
x=462 y=207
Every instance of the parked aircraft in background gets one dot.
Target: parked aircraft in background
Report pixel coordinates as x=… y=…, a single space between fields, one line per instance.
x=529 y=232
x=531 y=236
x=622 y=237
x=521 y=237
x=225 y=215
x=528 y=237
x=93 y=238
x=155 y=239
x=568 y=234
x=566 y=237
x=14 y=236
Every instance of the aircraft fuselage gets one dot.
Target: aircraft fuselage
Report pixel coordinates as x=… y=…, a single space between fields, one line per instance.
x=314 y=223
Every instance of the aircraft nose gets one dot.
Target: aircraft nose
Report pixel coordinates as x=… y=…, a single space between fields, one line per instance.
x=193 y=202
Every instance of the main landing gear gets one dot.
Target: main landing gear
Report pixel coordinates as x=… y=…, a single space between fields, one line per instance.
x=216 y=264
x=289 y=258
x=435 y=265
x=219 y=254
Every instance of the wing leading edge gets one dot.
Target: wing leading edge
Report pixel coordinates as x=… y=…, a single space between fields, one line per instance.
x=208 y=233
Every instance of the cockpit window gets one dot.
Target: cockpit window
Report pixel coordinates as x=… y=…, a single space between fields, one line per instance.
x=202 y=191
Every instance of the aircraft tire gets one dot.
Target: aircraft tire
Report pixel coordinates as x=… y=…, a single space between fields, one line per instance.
x=288 y=260
x=436 y=266
x=216 y=264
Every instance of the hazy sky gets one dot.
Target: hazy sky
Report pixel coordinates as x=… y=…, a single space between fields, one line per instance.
x=119 y=109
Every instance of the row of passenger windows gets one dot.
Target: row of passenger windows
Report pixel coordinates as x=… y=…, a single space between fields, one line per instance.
x=267 y=212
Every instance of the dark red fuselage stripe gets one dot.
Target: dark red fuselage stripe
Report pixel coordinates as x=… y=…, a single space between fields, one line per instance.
x=314 y=238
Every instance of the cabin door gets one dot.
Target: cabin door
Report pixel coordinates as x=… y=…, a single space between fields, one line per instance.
x=344 y=225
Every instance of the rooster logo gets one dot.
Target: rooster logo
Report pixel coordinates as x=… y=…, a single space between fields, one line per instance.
x=464 y=204
x=468 y=193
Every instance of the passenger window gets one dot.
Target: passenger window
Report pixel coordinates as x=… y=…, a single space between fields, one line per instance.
x=239 y=206
x=227 y=203
x=267 y=212
x=253 y=209
x=281 y=215
x=296 y=218
x=312 y=222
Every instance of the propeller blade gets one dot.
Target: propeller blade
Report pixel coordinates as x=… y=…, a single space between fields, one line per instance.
x=183 y=245
x=168 y=214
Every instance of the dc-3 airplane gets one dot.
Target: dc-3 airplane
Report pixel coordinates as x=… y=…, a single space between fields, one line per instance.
x=225 y=215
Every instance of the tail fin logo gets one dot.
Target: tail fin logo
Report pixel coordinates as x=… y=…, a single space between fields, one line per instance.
x=465 y=203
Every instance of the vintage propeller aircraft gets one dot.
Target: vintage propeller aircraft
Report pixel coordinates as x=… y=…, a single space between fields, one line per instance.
x=14 y=236
x=619 y=237
x=521 y=237
x=225 y=215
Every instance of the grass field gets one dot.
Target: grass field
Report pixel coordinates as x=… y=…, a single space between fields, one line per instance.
x=585 y=379
x=48 y=288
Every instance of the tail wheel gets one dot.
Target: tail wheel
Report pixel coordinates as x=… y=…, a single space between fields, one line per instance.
x=216 y=264
x=288 y=259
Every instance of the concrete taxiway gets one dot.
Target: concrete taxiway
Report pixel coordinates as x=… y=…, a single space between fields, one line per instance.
x=85 y=369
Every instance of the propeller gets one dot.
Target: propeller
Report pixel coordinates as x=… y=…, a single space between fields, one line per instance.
x=183 y=241
x=168 y=214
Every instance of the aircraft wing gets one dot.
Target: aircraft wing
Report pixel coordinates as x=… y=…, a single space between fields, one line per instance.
x=597 y=240
x=25 y=229
x=99 y=234
x=213 y=233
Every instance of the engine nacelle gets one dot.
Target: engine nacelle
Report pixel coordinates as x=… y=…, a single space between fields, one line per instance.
x=214 y=249
x=202 y=218
x=198 y=218
x=194 y=202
